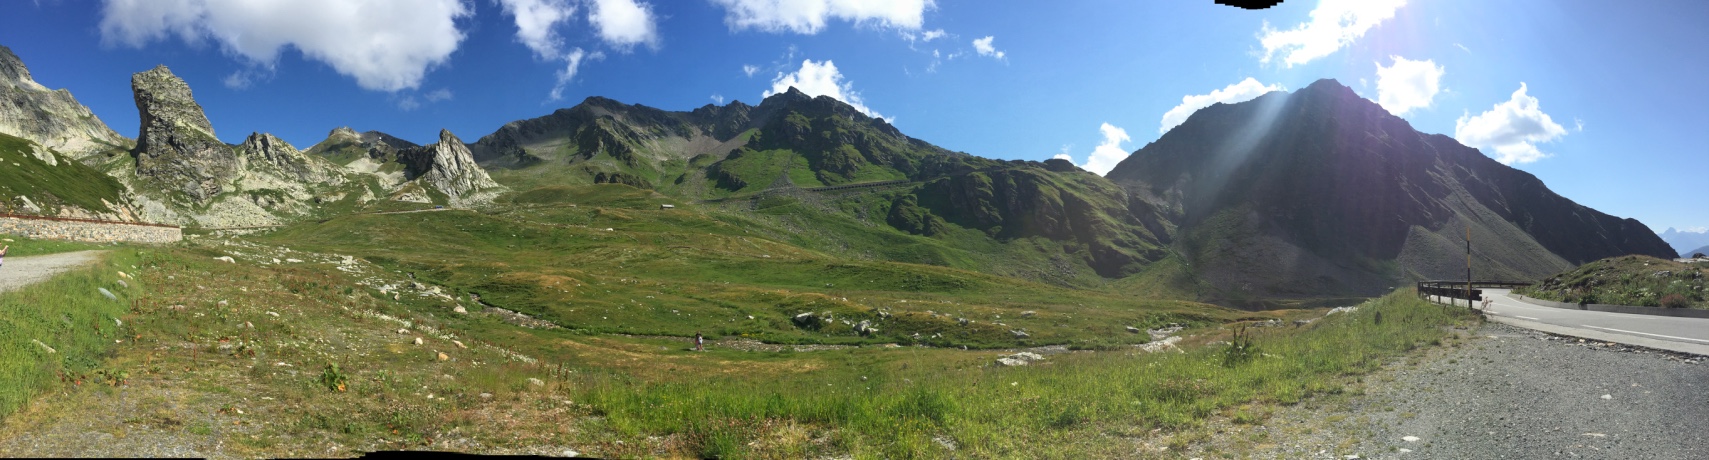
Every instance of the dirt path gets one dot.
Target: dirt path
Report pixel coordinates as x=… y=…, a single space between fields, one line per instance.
x=24 y=271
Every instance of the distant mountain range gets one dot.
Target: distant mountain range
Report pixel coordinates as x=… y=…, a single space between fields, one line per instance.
x=1316 y=193
x=1686 y=242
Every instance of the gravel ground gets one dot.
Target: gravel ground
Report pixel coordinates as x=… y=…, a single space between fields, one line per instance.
x=1502 y=393
x=23 y=271
x=1519 y=393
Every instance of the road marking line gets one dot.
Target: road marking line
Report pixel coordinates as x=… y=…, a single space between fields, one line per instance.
x=1646 y=333
x=1525 y=317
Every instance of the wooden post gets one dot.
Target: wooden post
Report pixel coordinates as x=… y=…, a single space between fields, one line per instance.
x=1468 y=266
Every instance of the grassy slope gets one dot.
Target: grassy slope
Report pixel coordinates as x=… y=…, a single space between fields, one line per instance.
x=675 y=272
x=1626 y=280
x=202 y=376
x=69 y=315
x=68 y=184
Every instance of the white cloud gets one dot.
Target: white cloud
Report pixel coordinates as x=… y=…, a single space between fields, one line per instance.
x=1578 y=124
x=1106 y=155
x=624 y=23
x=932 y=35
x=441 y=94
x=385 y=45
x=1512 y=129
x=572 y=64
x=1463 y=48
x=816 y=79
x=536 y=21
x=809 y=16
x=242 y=79
x=718 y=98
x=1243 y=91
x=983 y=46
x=750 y=69
x=1407 y=84
x=1334 y=25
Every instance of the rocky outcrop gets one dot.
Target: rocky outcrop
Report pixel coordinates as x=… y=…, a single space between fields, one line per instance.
x=52 y=118
x=176 y=147
x=447 y=166
x=265 y=154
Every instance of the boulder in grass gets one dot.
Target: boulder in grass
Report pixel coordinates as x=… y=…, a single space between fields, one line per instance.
x=228 y=259
x=106 y=293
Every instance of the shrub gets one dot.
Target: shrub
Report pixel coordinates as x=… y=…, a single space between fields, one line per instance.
x=1674 y=301
x=333 y=378
x=1240 y=348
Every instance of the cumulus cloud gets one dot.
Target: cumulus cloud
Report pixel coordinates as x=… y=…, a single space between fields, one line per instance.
x=1407 y=84
x=821 y=79
x=536 y=24
x=750 y=69
x=389 y=54
x=932 y=35
x=1512 y=129
x=1106 y=155
x=572 y=64
x=624 y=23
x=1243 y=91
x=809 y=16
x=1334 y=24
x=718 y=98
x=983 y=46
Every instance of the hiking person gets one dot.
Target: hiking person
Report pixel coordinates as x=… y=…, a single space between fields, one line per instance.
x=3 y=254
x=699 y=341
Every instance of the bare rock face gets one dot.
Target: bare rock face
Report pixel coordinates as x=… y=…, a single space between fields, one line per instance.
x=267 y=154
x=448 y=167
x=176 y=146
x=51 y=118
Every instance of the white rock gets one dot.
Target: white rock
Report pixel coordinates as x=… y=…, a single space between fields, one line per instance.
x=402 y=331
x=226 y=258
x=272 y=314
x=418 y=340
x=536 y=382
x=1607 y=396
x=1409 y=438
x=459 y=344
x=106 y=293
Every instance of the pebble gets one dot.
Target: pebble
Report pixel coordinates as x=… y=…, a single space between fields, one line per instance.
x=418 y=340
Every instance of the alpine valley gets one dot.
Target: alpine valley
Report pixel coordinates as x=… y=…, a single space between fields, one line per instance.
x=1315 y=194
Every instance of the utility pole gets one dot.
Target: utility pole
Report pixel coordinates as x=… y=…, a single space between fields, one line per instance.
x=1468 y=266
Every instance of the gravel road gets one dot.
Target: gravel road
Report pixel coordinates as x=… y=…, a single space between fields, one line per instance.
x=1500 y=392
x=1519 y=393
x=23 y=271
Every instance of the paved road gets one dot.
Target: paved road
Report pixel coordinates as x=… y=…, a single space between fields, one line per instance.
x=1690 y=335
x=23 y=271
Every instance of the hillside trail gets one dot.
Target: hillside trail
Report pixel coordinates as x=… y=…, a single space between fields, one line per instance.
x=24 y=271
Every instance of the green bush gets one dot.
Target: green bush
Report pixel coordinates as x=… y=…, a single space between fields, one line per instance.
x=333 y=378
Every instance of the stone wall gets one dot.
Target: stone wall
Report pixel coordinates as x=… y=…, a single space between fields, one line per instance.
x=53 y=228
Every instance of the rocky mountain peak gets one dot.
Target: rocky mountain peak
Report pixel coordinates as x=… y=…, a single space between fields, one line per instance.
x=53 y=119
x=176 y=145
x=163 y=98
x=448 y=166
x=12 y=70
x=344 y=132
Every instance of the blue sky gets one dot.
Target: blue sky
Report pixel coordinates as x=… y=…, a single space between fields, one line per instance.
x=1611 y=114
